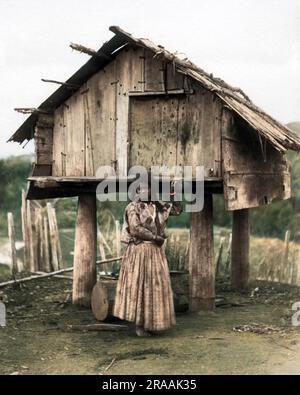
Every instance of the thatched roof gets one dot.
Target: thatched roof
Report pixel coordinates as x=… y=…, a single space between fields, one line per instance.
x=279 y=135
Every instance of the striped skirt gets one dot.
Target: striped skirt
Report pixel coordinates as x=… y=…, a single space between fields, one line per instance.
x=144 y=293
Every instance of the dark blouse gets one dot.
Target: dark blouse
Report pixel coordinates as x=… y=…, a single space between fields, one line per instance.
x=143 y=221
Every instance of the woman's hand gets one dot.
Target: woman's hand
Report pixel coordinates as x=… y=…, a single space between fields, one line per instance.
x=159 y=240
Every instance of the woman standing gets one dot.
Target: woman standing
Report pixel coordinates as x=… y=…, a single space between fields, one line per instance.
x=144 y=293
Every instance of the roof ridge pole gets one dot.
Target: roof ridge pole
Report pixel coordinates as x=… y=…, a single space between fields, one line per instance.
x=67 y=84
x=31 y=110
x=82 y=48
x=89 y=51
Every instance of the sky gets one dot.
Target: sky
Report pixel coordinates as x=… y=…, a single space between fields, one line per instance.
x=253 y=44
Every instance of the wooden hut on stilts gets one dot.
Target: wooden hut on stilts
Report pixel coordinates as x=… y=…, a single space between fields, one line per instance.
x=135 y=103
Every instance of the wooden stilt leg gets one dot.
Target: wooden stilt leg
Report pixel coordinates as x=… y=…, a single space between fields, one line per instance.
x=240 y=250
x=84 y=276
x=201 y=259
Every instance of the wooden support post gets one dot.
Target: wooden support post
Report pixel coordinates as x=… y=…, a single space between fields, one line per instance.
x=84 y=277
x=240 y=250
x=201 y=258
x=12 y=240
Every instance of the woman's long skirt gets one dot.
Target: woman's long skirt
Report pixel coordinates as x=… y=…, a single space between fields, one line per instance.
x=144 y=293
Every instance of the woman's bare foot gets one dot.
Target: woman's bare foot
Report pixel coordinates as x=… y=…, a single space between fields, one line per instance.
x=141 y=332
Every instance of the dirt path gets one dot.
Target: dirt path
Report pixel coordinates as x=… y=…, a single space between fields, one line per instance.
x=290 y=364
x=35 y=343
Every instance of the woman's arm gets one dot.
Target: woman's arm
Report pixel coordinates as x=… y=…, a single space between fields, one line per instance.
x=176 y=208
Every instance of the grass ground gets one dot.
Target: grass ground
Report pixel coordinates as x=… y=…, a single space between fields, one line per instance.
x=35 y=340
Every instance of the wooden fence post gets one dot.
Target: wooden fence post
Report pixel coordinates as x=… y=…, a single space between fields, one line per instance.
x=284 y=275
x=101 y=248
x=84 y=276
x=296 y=269
x=25 y=232
x=39 y=238
x=228 y=255
x=12 y=240
x=118 y=242
x=42 y=249
x=46 y=266
x=101 y=245
x=57 y=240
x=53 y=241
x=219 y=259
x=32 y=267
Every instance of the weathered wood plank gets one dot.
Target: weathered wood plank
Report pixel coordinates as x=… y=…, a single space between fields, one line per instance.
x=128 y=74
x=59 y=143
x=84 y=276
x=160 y=93
x=53 y=238
x=75 y=135
x=154 y=79
x=255 y=173
x=199 y=132
x=43 y=137
x=175 y=80
x=101 y=96
x=201 y=259
x=256 y=189
x=161 y=148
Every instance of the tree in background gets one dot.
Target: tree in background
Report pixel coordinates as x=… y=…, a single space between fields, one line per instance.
x=13 y=173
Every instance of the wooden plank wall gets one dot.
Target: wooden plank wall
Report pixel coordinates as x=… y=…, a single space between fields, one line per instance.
x=153 y=138
x=182 y=130
x=92 y=128
x=199 y=131
x=255 y=173
x=43 y=137
x=85 y=131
